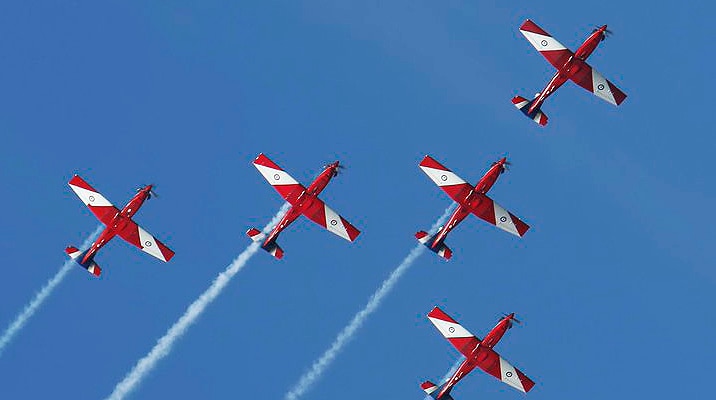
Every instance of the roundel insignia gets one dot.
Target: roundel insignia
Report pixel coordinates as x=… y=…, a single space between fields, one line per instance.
x=508 y=374
x=334 y=222
x=451 y=329
x=91 y=199
x=443 y=177
x=600 y=86
x=147 y=244
x=276 y=177
x=503 y=219
x=543 y=43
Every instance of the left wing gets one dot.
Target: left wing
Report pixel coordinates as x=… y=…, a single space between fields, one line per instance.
x=590 y=79
x=549 y=47
x=493 y=364
x=501 y=218
x=134 y=234
x=284 y=183
x=447 y=180
x=321 y=214
x=98 y=204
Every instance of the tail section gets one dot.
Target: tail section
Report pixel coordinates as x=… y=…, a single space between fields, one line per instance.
x=77 y=255
x=524 y=105
x=441 y=249
x=433 y=390
x=272 y=248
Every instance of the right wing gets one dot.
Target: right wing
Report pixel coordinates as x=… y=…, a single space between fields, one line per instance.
x=447 y=180
x=459 y=337
x=98 y=204
x=324 y=216
x=284 y=184
x=590 y=79
x=501 y=369
x=145 y=241
x=494 y=214
x=549 y=47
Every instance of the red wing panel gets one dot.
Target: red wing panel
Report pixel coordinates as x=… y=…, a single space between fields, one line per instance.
x=501 y=218
x=555 y=52
x=447 y=180
x=98 y=204
x=324 y=216
x=456 y=334
x=284 y=184
x=590 y=79
x=134 y=234
x=489 y=361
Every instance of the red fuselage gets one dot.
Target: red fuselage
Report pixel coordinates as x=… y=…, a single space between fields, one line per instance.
x=119 y=221
x=473 y=202
x=571 y=67
x=303 y=199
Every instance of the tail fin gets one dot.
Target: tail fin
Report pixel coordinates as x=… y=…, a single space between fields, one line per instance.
x=273 y=248
x=78 y=255
x=524 y=105
x=441 y=249
x=432 y=390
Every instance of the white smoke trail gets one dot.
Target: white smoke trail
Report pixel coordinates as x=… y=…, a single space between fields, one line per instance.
x=181 y=326
x=19 y=322
x=324 y=361
x=448 y=374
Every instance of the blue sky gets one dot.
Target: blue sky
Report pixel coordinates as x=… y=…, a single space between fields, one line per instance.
x=614 y=281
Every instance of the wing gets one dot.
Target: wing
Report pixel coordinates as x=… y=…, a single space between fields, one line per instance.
x=321 y=214
x=501 y=218
x=491 y=362
x=465 y=368
x=459 y=337
x=549 y=47
x=98 y=204
x=590 y=79
x=284 y=184
x=447 y=180
x=134 y=234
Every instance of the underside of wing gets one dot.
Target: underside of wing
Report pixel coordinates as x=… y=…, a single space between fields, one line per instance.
x=456 y=334
x=284 y=184
x=551 y=49
x=447 y=180
x=134 y=234
x=98 y=204
x=590 y=79
x=324 y=216
x=495 y=365
x=496 y=215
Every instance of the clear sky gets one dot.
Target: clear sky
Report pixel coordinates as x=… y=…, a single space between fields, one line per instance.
x=615 y=281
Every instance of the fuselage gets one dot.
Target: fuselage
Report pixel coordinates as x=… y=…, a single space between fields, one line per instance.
x=573 y=65
x=492 y=338
x=119 y=221
x=303 y=199
x=473 y=201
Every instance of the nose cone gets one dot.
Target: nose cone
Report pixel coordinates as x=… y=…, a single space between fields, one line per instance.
x=503 y=160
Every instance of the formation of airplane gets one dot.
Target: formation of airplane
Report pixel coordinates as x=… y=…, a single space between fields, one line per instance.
x=304 y=201
x=478 y=353
x=470 y=200
x=570 y=66
x=118 y=223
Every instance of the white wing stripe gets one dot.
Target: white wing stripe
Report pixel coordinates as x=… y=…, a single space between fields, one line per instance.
x=442 y=177
x=149 y=244
x=450 y=329
x=276 y=176
x=542 y=42
x=91 y=198
x=334 y=223
x=600 y=87
x=503 y=220
x=509 y=375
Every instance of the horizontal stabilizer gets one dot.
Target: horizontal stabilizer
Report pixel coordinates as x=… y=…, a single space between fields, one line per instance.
x=524 y=105
x=431 y=390
x=255 y=234
x=78 y=255
x=429 y=241
x=274 y=250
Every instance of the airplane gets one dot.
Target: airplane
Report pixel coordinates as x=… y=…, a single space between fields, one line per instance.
x=118 y=222
x=470 y=200
x=570 y=66
x=478 y=353
x=304 y=201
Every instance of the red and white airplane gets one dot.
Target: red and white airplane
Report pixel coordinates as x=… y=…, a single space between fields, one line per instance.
x=569 y=66
x=478 y=353
x=303 y=201
x=118 y=222
x=470 y=200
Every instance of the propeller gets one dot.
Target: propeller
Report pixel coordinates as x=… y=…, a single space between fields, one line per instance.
x=338 y=170
x=513 y=319
x=151 y=193
x=607 y=32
